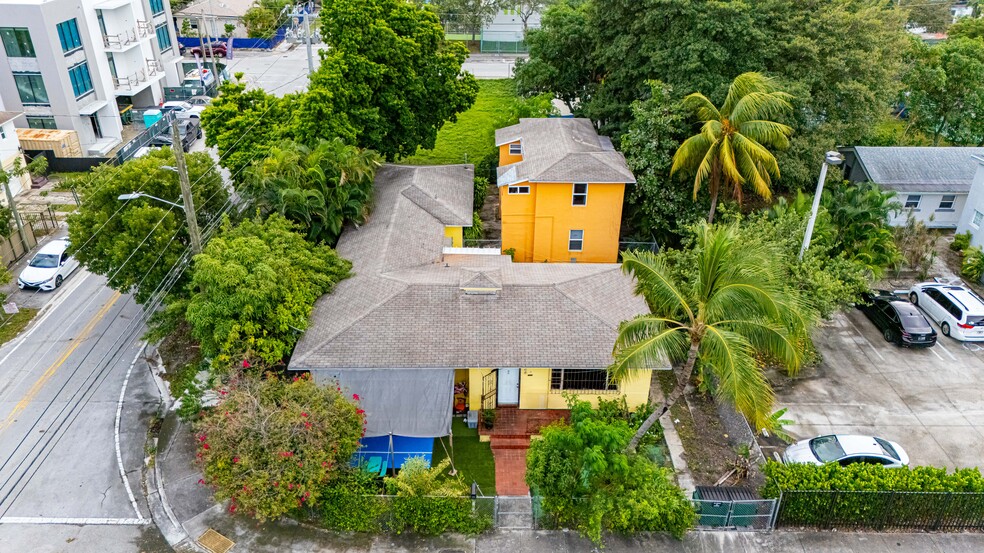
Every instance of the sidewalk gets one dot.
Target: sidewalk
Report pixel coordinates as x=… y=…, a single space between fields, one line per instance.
x=191 y=506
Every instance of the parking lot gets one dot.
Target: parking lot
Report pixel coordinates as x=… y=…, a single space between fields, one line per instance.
x=931 y=401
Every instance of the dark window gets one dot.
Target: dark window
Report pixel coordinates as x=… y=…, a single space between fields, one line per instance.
x=890 y=313
x=515 y=149
x=580 y=194
x=576 y=241
x=68 y=35
x=947 y=202
x=30 y=86
x=163 y=37
x=519 y=189
x=581 y=379
x=157 y=6
x=81 y=81
x=912 y=201
x=17 y=42
x=41 y=122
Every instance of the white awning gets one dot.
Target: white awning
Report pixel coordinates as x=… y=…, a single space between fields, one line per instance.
x=93 y=107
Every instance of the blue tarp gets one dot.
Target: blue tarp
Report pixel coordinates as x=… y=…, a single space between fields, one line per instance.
x=403 y=448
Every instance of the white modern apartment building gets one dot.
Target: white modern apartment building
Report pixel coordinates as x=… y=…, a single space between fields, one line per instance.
x=72 y=64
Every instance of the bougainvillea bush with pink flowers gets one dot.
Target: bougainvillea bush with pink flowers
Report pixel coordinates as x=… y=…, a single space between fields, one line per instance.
x=271 y=446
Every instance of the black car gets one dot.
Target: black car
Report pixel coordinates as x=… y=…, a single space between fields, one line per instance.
x=190 y=132
x=899 y=321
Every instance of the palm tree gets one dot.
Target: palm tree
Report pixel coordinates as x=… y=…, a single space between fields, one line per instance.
x=730 y=312
x=732 y=142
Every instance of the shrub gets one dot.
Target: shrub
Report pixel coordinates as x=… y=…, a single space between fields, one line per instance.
x=862 y=477
x=486 y=167
x=961 y=241
x=351 y=502
x=429 y=504
x=271 y=446
x=477 y=230
x=973 y=264
x=481 y=189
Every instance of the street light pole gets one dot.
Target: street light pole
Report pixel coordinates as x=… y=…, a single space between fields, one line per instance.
x=831 y=158
x=189 y=205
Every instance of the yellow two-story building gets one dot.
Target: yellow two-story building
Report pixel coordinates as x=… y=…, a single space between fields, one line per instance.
x=561 y=188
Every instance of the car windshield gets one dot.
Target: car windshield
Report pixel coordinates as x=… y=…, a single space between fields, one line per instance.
x=887 y=448
x=975 y=320
x=44 y=261
x=826 y=448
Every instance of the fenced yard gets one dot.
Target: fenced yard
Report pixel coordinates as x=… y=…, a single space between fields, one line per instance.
x=881 y=511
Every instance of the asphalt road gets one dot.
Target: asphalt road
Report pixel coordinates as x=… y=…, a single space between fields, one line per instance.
x=61 y=456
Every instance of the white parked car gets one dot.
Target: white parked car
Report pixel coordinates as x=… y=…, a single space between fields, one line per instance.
x=958 y=310
x=183 y=110
x=846 y=449
x=49 y=267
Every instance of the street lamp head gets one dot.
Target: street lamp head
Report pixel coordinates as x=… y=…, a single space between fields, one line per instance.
x=130 y=196
x=834 y=158
x=169 y=168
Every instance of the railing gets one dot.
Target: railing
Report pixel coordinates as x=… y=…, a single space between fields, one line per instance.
x=125 y=38
x=154 y=67
x=746 y=514
x=130 y=148
x=881 y=511
x=130 y=81
x=144 y=28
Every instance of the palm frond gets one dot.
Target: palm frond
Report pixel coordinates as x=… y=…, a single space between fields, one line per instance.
x=690 y=153
x=728 y=165
x=758 y=153
x=706 y=167
x=767 y=132
x=760 y=105
x=706 y=111
x=740 y=380
x=743 y=85
x=654 y=282
x=753 y=172
x=647 y=342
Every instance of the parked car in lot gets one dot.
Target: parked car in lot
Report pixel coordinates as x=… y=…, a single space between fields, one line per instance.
x=190 y=132
x=183 y=110
x=218 y=49
x=957 y=309
x=898 y=320
x=49 y=267
x=200 y=100
x=846 y=449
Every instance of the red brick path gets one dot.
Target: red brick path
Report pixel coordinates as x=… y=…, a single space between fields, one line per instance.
x=510 y=440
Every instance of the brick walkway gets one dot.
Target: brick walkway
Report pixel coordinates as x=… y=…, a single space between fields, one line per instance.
x=510 y=471
x=510 y=440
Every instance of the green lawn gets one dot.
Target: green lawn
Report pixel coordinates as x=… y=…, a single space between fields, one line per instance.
x=11 y=326
x=472 y=458
x=472 y=137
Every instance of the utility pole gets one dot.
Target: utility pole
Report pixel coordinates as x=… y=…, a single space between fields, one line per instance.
x=189 y=204
x=211 y=54
x=307 y=33
x=831 y=158
x=13 y=209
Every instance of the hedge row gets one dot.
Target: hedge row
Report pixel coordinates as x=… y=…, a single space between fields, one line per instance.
x=860 y=477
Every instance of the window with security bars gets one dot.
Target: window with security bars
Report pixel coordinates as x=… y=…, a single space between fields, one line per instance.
x=595 y=380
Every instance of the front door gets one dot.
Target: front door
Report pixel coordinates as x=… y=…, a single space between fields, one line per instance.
x=508 y=387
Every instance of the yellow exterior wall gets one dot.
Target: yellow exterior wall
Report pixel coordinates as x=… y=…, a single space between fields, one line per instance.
x=538 y=225
x=505 y=158
x=534 y=390
x=456 y=234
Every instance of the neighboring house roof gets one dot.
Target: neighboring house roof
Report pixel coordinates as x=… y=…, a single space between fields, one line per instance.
x=6 y=116
x=408 y=305
x=217 y=8
x=561 y=149
x=919 y=169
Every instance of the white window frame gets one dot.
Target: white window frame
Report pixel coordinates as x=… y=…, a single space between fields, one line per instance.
x=575 y=194
x=518 y=190
x=951 y=201
x=571 y=240
x=908 y=199
x=977 y=219
x=516 y=149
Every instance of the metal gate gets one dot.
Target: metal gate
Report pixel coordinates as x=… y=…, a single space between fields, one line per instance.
x=742 y=514
x=489 y=391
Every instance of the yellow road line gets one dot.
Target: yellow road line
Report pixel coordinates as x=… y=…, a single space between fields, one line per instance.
x=29 y=396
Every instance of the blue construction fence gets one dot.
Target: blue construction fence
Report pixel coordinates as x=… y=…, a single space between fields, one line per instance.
x=249 y=43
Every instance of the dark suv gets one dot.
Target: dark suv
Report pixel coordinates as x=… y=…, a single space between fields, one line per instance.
x=190 y=132
x=218 y=49
x=898 y=320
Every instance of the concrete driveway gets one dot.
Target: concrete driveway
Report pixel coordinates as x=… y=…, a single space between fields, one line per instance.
x=931 y=401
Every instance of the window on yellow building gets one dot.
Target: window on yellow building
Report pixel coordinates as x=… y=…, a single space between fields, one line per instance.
x=580 y=194
x=581 y=379
x=519 y=189
x=576 y=241
x=516 y=149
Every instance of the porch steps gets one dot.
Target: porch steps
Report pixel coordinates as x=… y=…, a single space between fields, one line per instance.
x=514 y=513
x=510 y=442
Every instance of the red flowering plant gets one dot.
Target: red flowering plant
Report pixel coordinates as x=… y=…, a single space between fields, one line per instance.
x=270 y=445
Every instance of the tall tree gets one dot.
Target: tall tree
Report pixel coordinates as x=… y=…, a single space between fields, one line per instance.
x=388 y=74
x=967 y=27
x=472 y=14
x=731 y=146
x=728 y=312
x=933 y=15
x=946 y=91
x=526 y=9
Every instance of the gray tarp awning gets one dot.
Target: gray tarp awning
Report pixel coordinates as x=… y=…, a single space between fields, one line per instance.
x=405 y=402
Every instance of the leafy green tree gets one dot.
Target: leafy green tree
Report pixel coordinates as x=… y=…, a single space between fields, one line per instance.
x=967 y=27
x=658 y=205
x=731 y=146
x=945 y=97
x=272 y=446
x=933 y=16
x=319 y=188
x=728 y=310
x=429 y=503
x=388 y=74
x=586 y=480
x=136 y=243
x=860 y=214
x=255 y=285
x=473 y=14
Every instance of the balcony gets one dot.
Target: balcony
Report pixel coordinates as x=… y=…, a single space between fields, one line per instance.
x=122 y=41
x=131 y=83
x=144 y=29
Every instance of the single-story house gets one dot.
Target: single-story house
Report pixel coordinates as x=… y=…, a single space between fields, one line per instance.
x=972 y=217
x=421 y=317
x=211 y=16
x=931 y=183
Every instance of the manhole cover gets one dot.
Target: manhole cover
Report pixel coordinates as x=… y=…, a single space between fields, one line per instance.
x=215 y=542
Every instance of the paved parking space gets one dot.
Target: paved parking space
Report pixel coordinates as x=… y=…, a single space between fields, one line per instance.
x=931 y=401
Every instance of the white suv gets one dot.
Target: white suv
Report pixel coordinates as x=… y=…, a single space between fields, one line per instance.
x=959 y=311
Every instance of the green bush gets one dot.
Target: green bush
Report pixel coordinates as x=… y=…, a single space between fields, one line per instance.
x=351 y=503
x=481 y=189
x=961 y=241
x=427 y=503
x=477 y=230
x=486 y=167
x=861 y=477
x=973 y=264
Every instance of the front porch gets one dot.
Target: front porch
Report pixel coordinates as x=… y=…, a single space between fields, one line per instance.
x=510 y=436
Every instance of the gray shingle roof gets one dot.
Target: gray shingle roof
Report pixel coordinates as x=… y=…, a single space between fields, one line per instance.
x=406 y=307
x=920 y=169
x=558 y=149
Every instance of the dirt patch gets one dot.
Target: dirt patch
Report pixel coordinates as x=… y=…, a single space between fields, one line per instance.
x=178 y=350
x=490 y=214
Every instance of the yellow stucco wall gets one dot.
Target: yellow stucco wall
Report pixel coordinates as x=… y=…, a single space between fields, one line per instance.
x=538 y=225
x=535 y=393
x=456 y=235
x=505 y=158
